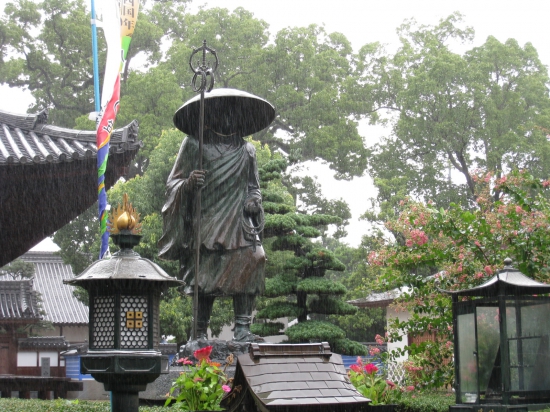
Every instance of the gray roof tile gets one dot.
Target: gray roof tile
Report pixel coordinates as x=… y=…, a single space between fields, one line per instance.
x=293 y=377
x=18 y=300
x=26 y=139
x=58 y=301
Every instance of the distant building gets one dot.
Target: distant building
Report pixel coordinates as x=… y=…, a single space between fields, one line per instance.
x=42 y=300
x=18 y=308
x=67 y=314
x=385 y=300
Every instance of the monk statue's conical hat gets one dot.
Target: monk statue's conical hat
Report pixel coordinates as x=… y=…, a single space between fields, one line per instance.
x=227 y=112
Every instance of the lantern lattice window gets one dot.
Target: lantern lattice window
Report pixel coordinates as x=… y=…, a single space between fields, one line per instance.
x=103 y=328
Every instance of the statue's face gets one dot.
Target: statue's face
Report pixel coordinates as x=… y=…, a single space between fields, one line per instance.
x=223 y=124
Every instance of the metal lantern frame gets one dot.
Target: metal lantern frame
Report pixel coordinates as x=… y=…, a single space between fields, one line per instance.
x=502 y=344
x=123 y=316
x=124 y=295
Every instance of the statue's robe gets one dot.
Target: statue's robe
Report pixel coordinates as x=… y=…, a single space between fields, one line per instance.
x=231 y=259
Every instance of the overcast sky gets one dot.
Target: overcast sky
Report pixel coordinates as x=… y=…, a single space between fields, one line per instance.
x=365 y=21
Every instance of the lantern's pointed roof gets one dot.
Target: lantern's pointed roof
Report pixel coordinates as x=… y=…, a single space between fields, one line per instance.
x=508 y=281
x=124 y=265
x=48 y=176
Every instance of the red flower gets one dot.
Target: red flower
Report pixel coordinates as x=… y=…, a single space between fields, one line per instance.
x=203 y=353
x=371 y=368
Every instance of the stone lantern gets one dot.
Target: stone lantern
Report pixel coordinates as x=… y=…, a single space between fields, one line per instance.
x=124 y=300
x=502 y=344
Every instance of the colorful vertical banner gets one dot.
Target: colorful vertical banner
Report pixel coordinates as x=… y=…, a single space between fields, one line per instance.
x=128 y=17
x=116 y=28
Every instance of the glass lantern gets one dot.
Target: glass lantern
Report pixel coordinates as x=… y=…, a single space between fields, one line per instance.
x=502 y=346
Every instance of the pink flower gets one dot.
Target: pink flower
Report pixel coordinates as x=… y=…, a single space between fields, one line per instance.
x=379 y=339
x=226 y=388
x=355 y=368
x=479 y=275
x=419 y=237
x=519 y=209
x=409 y=243
x=185 y=361
x=409 y=388
x=488 y=270
x=371 y=368
x=390 y=384
x=374 y=351
x=359 y=361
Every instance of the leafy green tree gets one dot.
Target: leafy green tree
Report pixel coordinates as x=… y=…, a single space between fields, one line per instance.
x=307 y=192
x=452 y=114
x=304 y=72
x=55 y=65
x=18 y=269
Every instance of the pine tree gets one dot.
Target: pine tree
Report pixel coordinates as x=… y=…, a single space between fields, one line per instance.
x=296 y=286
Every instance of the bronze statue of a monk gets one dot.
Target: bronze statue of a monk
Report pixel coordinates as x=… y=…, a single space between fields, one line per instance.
x=232 y=260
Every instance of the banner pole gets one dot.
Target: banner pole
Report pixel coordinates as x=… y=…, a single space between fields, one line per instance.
x=97 y=97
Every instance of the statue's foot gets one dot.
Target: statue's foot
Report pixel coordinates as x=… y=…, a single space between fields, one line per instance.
x=244 y=335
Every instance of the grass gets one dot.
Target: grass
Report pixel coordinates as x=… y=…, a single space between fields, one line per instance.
x=62 y=405
x=427 y=402
x=415 y=402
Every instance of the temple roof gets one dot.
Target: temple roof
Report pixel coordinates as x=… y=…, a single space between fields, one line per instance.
x=18 y=302
x=43 y=343
x=48 y=176
x=58 y=301
x=380 y=299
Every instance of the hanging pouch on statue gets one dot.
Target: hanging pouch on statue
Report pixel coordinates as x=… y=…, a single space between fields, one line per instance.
x=253 y=220
x=250 y=231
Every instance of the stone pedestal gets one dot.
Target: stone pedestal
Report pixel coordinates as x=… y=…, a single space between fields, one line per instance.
x=221 y=349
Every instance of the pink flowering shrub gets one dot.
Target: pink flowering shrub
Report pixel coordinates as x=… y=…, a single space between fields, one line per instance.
x=460 y=248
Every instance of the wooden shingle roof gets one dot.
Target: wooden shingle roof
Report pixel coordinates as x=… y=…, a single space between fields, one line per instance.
x=18 y=302
x=297 y=377
x=48 y=176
